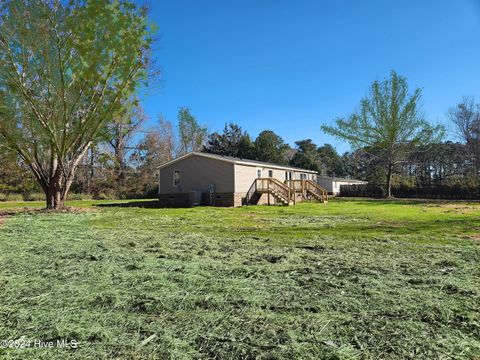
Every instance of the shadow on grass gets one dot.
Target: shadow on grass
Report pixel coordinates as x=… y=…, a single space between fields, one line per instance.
x=149 y=204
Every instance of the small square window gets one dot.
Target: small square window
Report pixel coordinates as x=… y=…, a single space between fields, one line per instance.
x=176 y=177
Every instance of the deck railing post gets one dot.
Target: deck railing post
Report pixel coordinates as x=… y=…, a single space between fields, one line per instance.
x=268 y=192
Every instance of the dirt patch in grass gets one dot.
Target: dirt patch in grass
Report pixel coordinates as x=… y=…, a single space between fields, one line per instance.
x=326 y=221
x=33 y=211
x=474 y=236
x=4 y=215
x=455 y=208
x=66 y=210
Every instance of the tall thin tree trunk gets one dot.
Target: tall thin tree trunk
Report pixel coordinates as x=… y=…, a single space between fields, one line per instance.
x=120 y=157
x=389 y=179
x=91 y=171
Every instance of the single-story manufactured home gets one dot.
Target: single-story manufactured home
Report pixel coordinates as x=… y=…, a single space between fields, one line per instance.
x=332 y=184
x=207 y=179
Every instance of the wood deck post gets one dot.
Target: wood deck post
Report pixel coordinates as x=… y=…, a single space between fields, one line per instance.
x=268 y=191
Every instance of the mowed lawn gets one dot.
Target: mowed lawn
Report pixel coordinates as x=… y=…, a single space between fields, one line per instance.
x=343 y=280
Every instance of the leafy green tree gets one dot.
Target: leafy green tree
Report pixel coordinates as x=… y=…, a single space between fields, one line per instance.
x=306 y=155
x=389 y=119
x=364 y=164
x=331 y=162
x=232 y=142
x=245 y=148
x=14 y=178
x=192 y=134
x=66 y=68
x=270 y=147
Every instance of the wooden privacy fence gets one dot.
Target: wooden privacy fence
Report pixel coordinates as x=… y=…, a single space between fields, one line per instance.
x=430 y=192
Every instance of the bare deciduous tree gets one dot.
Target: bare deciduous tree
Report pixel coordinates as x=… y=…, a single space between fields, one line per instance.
x=466 y=117
x=168 y=140
x=120 y=131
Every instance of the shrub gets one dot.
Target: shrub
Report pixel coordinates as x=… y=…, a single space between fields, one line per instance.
x=76 y=196
x=11 y=197
x=33 y=197
x=104 y=196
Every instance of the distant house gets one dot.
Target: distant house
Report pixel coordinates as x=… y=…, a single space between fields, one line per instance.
x=332 y=184
x=208 y=179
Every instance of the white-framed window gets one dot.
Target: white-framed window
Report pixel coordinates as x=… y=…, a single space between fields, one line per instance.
x=270 y=173
x=259 y=173
x=303 y=176
x=177 y=177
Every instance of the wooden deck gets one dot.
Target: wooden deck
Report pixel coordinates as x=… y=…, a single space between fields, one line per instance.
x=309 y=189
x=284 y=193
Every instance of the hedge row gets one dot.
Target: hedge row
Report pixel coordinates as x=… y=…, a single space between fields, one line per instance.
x=434 y=192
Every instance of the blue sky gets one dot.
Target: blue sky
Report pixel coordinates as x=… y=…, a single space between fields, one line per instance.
x=290 y=66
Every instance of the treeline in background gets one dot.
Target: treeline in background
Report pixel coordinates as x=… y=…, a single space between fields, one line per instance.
x=71 y=123
x=124 y=164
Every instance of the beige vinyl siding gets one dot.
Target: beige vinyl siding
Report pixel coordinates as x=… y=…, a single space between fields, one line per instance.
x=245 y=174
x=197 y=173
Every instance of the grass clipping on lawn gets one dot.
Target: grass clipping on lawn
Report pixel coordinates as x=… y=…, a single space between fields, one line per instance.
x=344 y=280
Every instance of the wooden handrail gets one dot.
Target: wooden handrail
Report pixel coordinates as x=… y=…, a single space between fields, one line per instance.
x=288 y=193
x=303 y=185
x=251 y=192
x=315 y=188
x=285 y=190
x=272 y=184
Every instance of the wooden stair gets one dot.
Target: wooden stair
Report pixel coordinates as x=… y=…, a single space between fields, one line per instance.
x=279 y=198
x=282 y=194
x=316 y=191
x=309 y=189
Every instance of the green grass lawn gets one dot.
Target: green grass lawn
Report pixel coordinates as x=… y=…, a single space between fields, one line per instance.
x=343 y=280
